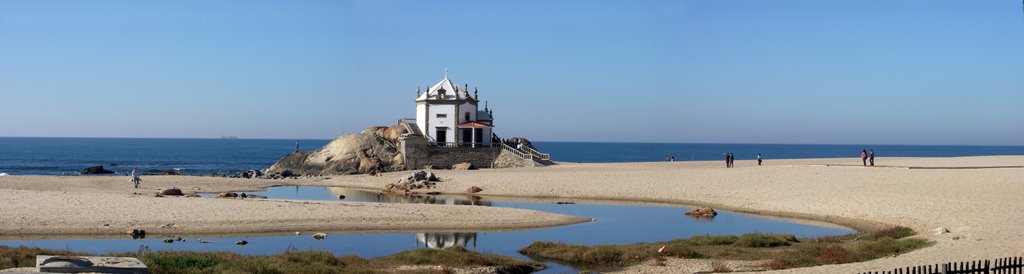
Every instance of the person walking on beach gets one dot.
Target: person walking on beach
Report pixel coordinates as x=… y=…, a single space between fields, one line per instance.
x=864 y=157
x=759 y=159
x=135 y=177
x=727 y=160
x=871 y=157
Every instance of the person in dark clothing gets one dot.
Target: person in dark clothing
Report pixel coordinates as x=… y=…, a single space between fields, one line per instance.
x=871 y=157
x=732 y=159
x=864 y=157
x=759 y=159
x=727 y=160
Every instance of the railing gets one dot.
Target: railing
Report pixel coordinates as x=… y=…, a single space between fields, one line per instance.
x=516 y=152
x=408 y=123
x=542 y=156
x=1004 y=265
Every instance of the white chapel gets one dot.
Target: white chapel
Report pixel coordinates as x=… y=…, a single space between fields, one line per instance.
x=448 y=115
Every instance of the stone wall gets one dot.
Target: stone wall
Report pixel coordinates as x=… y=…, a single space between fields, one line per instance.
x=418 y=155
x=415 y=151
x=446 y=157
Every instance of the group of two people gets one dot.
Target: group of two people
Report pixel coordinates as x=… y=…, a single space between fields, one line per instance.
x=866 y=156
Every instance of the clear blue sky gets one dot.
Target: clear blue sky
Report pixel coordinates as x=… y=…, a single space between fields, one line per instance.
x=853 y=72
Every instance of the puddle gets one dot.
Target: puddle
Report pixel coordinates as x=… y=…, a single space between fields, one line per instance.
x=614 y=224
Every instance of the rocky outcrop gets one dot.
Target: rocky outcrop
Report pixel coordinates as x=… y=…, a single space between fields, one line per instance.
x=516 y=140
x=373 y=149
x=702 y=212
x=418 y=180
x=96 y=170
x=463 y=166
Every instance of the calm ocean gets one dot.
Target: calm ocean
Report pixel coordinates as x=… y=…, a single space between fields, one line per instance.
x=49 y=156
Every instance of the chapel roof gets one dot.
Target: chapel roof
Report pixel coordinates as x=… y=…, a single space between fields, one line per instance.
x=451 y=90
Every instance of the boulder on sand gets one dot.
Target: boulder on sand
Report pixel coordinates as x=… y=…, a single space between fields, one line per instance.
x=463 y=166
x=372 y=150
x=172 y=192
x=96 y=170
x=702 y=212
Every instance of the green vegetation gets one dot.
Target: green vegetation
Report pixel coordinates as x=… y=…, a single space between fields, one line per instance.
x=764 y=240
x=782 y=251
x=293 y=261
x=603 y=256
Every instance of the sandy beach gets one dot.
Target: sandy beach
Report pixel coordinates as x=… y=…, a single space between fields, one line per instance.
x=59 y=206
x=980 y=206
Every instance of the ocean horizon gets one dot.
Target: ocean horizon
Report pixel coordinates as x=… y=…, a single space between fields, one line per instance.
x=205 y=156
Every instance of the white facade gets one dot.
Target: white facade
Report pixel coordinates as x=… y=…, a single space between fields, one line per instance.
x=447 y=114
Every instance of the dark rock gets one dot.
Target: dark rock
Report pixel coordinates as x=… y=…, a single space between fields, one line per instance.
x=433 y=193
x=243 y=195
x=96 y=170
x=514 y=140
x=137 y=233
x=227 y=195
x=168 y=240
x=287 y=173
x=170 y=172
x=565 y=203
x=171 y=192
x=474 y=189
x=702 y=212
x=217 y=174
x=341 y=197
x=242 y=242
x=251 y=174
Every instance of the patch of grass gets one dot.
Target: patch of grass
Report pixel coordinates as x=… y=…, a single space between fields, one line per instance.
x=606 y=256
x=817 y=253
x=12 y=257
x=895 y=232
x=764 y=240
x=454 y=256
x=719 y=267
x=782 y=251
x=289 y=262
x=713 y=240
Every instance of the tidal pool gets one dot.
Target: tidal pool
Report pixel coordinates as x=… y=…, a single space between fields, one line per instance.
x=613 y=224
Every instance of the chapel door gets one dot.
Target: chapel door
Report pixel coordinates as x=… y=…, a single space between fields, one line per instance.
x=442 y=135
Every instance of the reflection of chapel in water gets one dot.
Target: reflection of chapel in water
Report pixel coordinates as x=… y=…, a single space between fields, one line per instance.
x=440 y=240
